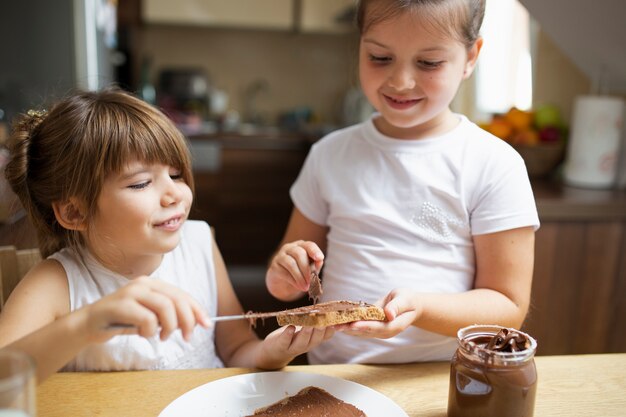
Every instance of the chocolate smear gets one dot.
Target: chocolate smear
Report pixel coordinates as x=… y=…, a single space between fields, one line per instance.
x=315 y=285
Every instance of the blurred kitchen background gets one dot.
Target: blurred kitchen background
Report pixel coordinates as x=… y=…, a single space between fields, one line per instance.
x=253 y=83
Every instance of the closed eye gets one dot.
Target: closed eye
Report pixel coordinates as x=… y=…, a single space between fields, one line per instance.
x=379 y=59
x=429 y=65
x=139 y=186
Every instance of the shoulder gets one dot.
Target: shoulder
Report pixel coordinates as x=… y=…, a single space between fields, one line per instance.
x=44 y=288
x=336 y=148
x=338 y=137
x=480 y=141
x=48 y=274
x=490 y=153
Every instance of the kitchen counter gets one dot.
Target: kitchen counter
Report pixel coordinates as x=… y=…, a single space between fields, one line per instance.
x=559 y=202
x=234 y=140
x=252 y=136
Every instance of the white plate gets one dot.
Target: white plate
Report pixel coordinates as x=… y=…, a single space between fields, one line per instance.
x=241 y=395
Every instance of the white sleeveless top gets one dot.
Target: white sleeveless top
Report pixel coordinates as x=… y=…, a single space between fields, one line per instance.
x=189 y=266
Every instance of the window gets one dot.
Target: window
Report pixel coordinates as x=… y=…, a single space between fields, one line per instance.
x=503 y=76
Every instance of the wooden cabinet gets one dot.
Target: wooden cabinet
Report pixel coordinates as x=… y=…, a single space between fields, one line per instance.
x=317 y=16
x=247 y=199
x=266 y=14
x=327 y=16
x=579 y=286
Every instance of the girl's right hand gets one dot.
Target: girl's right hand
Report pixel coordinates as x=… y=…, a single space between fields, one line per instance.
x=146 y=305
x=289 y=273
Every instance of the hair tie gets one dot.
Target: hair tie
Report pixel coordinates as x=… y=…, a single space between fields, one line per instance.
x=36 y=113
x=31 y=120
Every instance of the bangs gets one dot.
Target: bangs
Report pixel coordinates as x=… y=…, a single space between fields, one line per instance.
x=142 y=133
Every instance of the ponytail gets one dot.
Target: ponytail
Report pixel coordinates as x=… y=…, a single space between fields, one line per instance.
x=20 y=146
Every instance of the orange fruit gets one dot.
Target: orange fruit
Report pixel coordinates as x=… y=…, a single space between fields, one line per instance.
x=519 y=119
x=500 y=128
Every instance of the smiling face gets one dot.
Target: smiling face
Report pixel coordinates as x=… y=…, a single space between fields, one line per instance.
x=140 y=211
x=410 y=73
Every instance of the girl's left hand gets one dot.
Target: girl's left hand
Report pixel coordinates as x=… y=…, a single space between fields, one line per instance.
x=402 y=309
x=284 y=344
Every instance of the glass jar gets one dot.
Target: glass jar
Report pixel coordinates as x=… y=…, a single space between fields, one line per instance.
x=485 y=382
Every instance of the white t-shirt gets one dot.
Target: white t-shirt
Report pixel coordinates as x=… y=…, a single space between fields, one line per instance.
x=189 y=266
x=402 y=213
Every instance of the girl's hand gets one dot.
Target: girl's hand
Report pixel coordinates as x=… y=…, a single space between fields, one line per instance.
x=402 y=309
x=282 y=345
x=146 y=305
x=289 y=273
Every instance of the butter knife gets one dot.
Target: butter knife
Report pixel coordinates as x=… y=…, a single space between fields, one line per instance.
x=246 y=316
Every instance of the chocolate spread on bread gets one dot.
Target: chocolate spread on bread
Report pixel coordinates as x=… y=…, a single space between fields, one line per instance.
x=331 y=313
x=310 y=402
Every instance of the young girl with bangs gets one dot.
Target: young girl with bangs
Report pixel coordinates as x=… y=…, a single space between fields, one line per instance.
x=417 y=209
x=127 y=282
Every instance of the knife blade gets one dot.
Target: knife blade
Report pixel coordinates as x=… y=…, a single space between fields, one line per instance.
x=245 y=316
x=253 y=316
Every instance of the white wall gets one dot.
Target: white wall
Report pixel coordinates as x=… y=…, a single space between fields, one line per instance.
x=592 y=33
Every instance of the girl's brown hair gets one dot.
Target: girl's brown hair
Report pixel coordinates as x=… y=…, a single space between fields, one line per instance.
x=70 y=150
x=460 y=19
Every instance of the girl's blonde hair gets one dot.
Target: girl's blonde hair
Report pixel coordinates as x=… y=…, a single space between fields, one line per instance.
x=70 y=150
x=460 y=19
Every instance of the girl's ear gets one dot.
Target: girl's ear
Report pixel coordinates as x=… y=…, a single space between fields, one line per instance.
x=472 y=57
x=70 y=214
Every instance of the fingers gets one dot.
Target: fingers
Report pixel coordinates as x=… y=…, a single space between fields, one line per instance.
x=304 y=339
x=401 y=308
x=301 y=340
x=148 y=304
x=368 y=329
x=293 y=262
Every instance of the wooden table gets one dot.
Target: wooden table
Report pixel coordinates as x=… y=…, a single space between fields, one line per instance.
x=576 y=385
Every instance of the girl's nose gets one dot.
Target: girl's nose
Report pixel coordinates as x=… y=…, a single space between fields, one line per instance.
x=172 y=193
x=401 y=78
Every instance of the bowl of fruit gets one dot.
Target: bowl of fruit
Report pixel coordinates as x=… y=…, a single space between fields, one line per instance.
x=538 y=136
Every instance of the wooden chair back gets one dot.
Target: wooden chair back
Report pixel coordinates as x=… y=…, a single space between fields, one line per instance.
x=14 y=264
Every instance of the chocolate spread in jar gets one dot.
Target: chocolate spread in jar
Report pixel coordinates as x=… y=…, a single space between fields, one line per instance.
x=493 y=373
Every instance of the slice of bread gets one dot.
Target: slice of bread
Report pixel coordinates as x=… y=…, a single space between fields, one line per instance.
x=330 y=313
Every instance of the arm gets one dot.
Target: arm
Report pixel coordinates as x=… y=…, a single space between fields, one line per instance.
x=36 y=318
x=39 y=299
x=237 y=345
x=501 y=293
x=288 y=274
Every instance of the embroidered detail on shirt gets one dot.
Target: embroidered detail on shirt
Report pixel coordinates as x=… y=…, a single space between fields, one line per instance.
x=433 y=223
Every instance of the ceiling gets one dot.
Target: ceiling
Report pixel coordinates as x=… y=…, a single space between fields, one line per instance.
x=591 y=33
